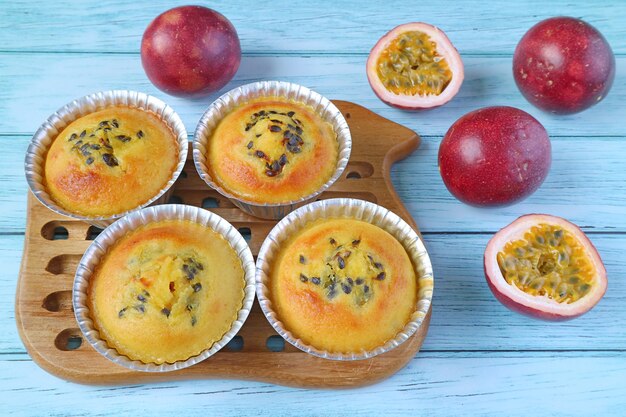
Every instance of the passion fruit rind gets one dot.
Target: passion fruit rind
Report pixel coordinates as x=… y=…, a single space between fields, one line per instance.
x=547 y=265
x=428 y=75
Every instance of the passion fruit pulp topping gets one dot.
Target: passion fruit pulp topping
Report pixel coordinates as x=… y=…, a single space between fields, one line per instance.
x=548 y=261
x=410 y=65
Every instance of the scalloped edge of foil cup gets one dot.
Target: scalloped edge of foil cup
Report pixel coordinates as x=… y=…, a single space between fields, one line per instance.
x=360 y=210
x=109 y=236
x=233 y=98
x=59 y=120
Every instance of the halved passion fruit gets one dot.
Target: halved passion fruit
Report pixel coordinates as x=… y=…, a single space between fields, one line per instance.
x=545 y=267
x=415 y=66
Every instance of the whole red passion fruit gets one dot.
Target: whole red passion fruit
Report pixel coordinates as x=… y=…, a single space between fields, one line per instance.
x=563 y=65
x=545 y=267
x=190 y=51
x=494 y=156
x=415 y=66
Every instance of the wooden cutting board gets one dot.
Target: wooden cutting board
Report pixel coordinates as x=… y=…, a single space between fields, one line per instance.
x=54 y=245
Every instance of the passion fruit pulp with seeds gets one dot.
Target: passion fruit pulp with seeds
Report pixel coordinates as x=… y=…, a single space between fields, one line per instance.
x=545 y=267
x=415 y=66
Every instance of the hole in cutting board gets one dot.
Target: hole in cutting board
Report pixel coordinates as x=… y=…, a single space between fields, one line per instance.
x=275 y=343
x=54 y=231
x=57 y=301
x=246 y=233
x=175 y=200
x=183 y=174
x=210 y=202
x=235 y=344
x=359 y=169
x=93 y=232
x=68 y=339
x=63 y=264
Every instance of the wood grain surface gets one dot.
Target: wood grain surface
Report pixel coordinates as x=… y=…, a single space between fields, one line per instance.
x=478 y=358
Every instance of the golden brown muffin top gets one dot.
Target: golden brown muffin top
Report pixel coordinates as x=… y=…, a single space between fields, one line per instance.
x=110 y=161
x=272 y=150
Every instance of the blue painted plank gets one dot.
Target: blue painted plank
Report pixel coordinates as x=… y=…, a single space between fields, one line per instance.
x=451 y=386
x=42 y=83
x=587 y=184
x=325 y=26
x=466 y=316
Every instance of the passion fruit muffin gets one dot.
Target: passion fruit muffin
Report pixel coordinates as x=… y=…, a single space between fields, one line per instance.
x=343 y=285
x=110 y=161
x=272 y=150
x=166 y=291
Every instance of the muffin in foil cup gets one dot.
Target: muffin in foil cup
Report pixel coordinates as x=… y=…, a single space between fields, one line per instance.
x=353 y=209
x=50 y=129
x=232 y=99
x=113 y=233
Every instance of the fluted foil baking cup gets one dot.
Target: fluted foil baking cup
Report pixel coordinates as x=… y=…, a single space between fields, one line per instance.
x=229 y=101
x=113 y=233
x=360 y=210
x=50 y=129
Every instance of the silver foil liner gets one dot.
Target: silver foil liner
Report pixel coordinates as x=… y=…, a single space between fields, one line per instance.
x=355 y=209
x=229 y=101
x=113 y=233
x=50 y=129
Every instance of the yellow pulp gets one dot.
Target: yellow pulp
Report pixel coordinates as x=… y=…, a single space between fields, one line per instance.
x=411 y=65
x=548 y=261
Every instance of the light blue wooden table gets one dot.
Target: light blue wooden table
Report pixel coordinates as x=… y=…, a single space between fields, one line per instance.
x=478 y=357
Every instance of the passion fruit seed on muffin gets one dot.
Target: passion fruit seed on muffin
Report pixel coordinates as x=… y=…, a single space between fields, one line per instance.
x=110 y=161
x=343 y=285
x=272 y=150
x=166 y=292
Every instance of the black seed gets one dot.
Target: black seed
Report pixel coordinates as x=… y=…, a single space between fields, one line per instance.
x=123 y=138
x=272 y=112
x=193 y=320
x=291 y=113
x=199 y=265
x=115 y=123
x=78 y=143
x=258 y=135
x=146 y=293
x=122 y=311
x=316 y=280
x=103 y=123
x=356 y=242
x=274 y=128
x=381 y=276
x=275 y=166
x=366 y=289
x=73 y=136
x=262 y=112
x=297 y=121
x=346 y=288
x=302 y=259
x=107 y=129
x=332 y=293
x=248 y=127
x=294 y=149
x=140 y=308
x=83 y=133
x=189 y=307
x=299 y=130
x=359 y=281
x=250 y=145
x=197 y=287
x=260 y=154
x=94 y=146
x=92 y=136
x=350 y=281
x=332 y=241
x=110 y=160
x=341 y=262
x=188 y=272
x=303 y=278
x=282 y=160
x=378 y=265
x=140 y=134
x=270 y=173
x=89 y=160
x=166 y=311
x=141 y=298
x=276 y=121
x=558 y=234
